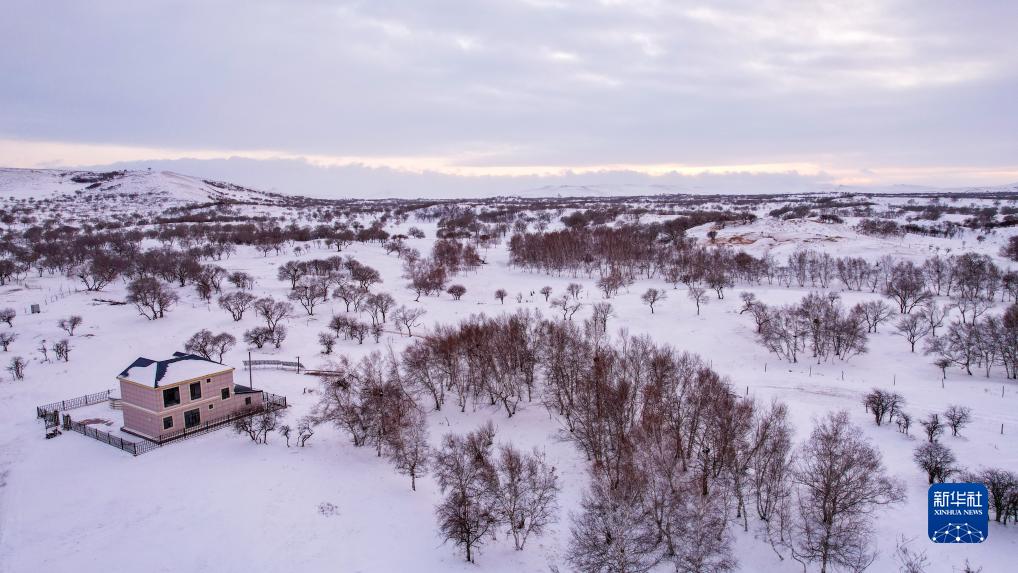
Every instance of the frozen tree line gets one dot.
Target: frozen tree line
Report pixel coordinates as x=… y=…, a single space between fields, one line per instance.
x=676 y=456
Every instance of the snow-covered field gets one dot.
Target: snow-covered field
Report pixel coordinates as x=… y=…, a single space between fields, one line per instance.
x=221 y=503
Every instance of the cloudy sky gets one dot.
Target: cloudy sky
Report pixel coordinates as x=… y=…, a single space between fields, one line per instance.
x=516 y=90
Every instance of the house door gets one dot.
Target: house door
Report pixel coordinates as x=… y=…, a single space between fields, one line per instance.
x=192 y=418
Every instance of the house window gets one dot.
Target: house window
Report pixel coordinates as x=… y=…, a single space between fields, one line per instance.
x=247 y=401
x=207 y=380
x=192 y=418
x=171 y=397
x=210 y=406
x=226 y=393
x=167 y=422
x=196 y=391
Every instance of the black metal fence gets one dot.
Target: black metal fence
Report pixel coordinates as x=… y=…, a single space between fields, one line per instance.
x=270 y=402
x=134 y=448
x=72 y=403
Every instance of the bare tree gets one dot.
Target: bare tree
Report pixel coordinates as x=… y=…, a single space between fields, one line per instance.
x=907 y=287
x=17 y=367
x=272 y=311
x=305 y=429
x=500 y=294
x=698 y=295
x=6 y=338
x=466 y=477
x=70 y=323
x=327 y=340
x=883 y=404
x=875 y=313
x=308 y=292
x=566 y=305
x=7 y=315
x=236 y=303
x=957 y=417
x=936 y=460
x=210 y=346
x=526 y=497
x=913 y=328
x=546 y=291
x=150 y=297
x=933 y=427
x=62 y=349
x=602 y=311
x=574 y=290
x=408 y=318
x=241 y=280
x=408 y=448
x=457 y=291
x=614 y=532
x=840 y=481
x=652 y=297
x=910 y=561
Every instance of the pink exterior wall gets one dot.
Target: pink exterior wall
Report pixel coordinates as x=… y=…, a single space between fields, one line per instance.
x=144 y=412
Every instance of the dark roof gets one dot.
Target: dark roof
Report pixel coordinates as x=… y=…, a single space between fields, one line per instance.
x=161 y=365
x=239 y=389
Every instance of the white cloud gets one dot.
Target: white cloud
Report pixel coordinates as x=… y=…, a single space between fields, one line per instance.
x=511 y=85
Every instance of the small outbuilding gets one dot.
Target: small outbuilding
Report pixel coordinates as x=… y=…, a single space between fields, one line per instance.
x=162 y=399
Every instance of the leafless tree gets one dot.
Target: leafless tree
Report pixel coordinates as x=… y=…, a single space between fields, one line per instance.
x=466 y=477
x=70 y=323
x=614 y=532
x=698 y=295
x=150 y=297
x=210 y=346
x=913 y=328
x=652 y=297
x=602 y=311
x=574 y=290
x=910 y=561
x=17 y=367
x=6 y=338
x=875 y=313
x=305 y=429
x=840 y=481
x=7 y=315
x=933 y=427
x=241 y=280
x=62 y=349
x=957 y=417
x=566 y=305
x=236 y=303
x=907 y=287
x=272 y=311
x=546 y=291
x=408 y=318
x=457 y=291
x=308 y=292
x=527 y=492
x=936 y=460
x=258 y=336
x=378 y=306
x=500 y=294
x=407 y=448
x=327 y=340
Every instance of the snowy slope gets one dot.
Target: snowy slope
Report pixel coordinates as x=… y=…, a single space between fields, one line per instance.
x=147 y=191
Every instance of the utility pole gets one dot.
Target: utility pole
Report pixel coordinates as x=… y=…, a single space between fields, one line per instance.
x=250 y=375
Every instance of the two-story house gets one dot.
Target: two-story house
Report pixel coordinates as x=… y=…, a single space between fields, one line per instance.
x=162 y=397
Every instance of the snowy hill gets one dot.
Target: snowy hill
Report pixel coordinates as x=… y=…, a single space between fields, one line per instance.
x=138 y=191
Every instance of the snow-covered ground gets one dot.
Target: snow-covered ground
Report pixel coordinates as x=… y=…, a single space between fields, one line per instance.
x=221 y=503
